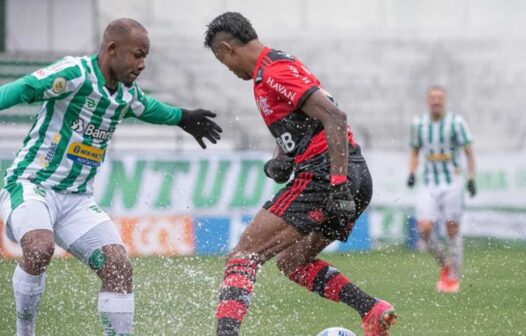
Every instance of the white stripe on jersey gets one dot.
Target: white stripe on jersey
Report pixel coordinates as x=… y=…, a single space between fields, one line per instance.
x=440 y=143
x=81 y=108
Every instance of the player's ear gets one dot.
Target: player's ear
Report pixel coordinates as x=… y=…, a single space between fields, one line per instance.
x=112 y=48
x=225 y=48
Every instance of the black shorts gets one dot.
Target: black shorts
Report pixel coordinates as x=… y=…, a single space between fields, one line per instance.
x=301 y=202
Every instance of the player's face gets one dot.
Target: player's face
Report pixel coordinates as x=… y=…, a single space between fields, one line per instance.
x=436 y=100
x=129 y=56
x=229 y=56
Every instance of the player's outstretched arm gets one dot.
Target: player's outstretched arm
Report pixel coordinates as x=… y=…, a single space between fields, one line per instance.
x=15 y=93
x=197 y=123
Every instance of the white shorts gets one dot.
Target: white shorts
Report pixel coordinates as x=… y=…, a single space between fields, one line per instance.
x=444 y=202
x=71 y=217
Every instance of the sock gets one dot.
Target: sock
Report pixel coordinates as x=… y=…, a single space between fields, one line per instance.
x=455 y=249
x=28 y=290
x=320 y=277
x=235 y=295
x=436 y=248
x=116 y=313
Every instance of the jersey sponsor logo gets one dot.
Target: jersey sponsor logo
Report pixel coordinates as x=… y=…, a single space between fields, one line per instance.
x=95 y=208
x=87 y=155
x=91 y=130
x=39 y=191
x=294 y=71
x=439 y=157
x=59 y=85
x=285 y=142
x=280 y=88
x=43 y=160
x=317 y=215
x=53 y=68
x=264 y=107
x=90 y=103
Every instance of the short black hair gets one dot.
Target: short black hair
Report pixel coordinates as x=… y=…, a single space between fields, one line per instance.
x=232 y=23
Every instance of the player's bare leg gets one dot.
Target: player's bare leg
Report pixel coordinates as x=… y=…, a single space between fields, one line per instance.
x=455 y=248
x=265 y=237
x=455 y=255
x=116 y=301
x=29 y=279
x=435 y=247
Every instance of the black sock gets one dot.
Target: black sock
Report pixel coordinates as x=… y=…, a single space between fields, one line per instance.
x=356 y=298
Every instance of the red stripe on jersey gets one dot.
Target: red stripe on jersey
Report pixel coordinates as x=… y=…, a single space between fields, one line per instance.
x=285 y=200
x=283 y=196
x=318 y=145
x=306 y=180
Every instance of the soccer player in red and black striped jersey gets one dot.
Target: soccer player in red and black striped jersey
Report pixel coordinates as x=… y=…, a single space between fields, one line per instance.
x=331 y=186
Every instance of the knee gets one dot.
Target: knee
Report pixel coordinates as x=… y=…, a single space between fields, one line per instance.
x=37 y=248
x=285 y=264
x=236 y=253
x=452 y=229
x=426 y=228
x=114 y=269
x=253 y=252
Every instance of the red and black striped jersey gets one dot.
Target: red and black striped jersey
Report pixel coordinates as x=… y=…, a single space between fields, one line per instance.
x=282 y=84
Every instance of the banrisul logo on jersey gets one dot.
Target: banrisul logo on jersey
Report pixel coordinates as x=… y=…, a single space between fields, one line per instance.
x=85 y=154
x=91 y=130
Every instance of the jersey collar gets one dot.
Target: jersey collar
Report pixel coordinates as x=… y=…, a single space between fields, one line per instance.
x=98 y=73
x=258 y=62
x=101 y=81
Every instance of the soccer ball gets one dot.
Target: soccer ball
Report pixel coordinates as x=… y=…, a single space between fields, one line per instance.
x=337 y=331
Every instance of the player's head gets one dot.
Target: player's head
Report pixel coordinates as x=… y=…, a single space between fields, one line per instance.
x=436 y=100
x=125 y=46
x=226 y=36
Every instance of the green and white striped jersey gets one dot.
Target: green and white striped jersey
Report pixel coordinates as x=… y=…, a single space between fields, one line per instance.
x=68 y=140
x=439 y=143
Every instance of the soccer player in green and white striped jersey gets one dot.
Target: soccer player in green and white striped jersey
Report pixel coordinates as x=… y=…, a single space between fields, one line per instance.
x=47 y=195
x=440 y=136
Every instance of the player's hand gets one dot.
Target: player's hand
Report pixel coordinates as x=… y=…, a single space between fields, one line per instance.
x=198 y=125
x=472 y=188
x=340 y=205
x=279 y=168
x=411 y=180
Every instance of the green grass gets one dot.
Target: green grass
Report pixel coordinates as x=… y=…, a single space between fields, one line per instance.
x=176 y=296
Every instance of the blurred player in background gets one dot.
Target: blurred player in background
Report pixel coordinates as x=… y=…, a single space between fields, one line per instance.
x=48 y=192
x=440 y=135
x=330 y=189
